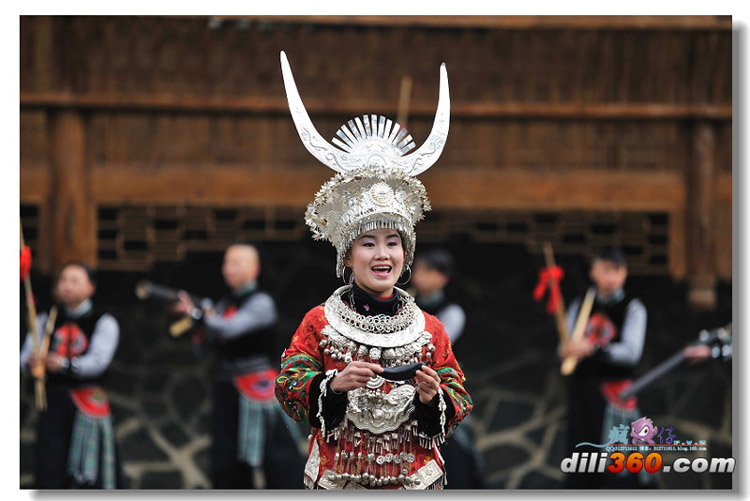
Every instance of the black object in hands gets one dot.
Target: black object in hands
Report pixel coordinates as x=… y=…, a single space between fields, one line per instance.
x=147 y=290
x=402 y=372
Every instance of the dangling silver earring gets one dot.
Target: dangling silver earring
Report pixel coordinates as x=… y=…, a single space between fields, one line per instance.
x=408 y=267
x=348 y=281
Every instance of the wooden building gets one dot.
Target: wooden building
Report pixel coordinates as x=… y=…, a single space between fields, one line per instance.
x=143 y=138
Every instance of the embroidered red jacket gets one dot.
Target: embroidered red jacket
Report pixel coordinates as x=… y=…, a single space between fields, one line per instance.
x=355 y=453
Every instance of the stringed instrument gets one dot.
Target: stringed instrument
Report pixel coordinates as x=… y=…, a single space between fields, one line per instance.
x=147 y=290
x=719 y=341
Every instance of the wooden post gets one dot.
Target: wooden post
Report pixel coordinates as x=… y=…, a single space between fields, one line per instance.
x=699 y=212
x=46 y=66
x=404 y=101
x=71 y=208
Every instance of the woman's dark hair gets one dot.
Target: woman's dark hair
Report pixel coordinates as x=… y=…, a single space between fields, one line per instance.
x=437 y=259
x=90 y=272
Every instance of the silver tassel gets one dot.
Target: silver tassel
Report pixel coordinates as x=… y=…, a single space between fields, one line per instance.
x=309 y=483
x=323 y=391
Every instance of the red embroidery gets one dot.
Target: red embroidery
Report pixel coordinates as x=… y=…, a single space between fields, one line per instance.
x=70 y=341
x=92 y=401
x=258 y=385
x=304 y=359
x=229 y=312
x=600 y=330
x=612 y=391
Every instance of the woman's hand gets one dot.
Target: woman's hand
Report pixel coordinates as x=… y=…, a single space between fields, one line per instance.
x=428 y=384
x=356 y=375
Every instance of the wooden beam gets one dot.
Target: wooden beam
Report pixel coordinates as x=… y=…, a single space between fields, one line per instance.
x=569 y=22
x=554 y=190
x=279 y=105
x=657 y=111
x=214 y=184
x=483 y=188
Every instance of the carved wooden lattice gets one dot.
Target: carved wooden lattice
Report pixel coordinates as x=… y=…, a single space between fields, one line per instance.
x=135 y=237
x=643 y=236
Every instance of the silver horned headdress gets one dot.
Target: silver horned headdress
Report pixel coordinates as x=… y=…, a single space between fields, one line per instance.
x=375 y=185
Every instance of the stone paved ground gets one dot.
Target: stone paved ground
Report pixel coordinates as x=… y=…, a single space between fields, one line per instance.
x=159 y=394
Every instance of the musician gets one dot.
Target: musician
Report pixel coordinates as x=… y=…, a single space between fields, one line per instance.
x=75 y=445
x=607 y=356
x=432 y=273
x=250 y=432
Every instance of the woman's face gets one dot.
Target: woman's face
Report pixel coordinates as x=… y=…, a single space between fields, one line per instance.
x=376 y=258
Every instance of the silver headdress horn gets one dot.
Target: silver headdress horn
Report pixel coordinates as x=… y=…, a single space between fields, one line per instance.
x=372 y=141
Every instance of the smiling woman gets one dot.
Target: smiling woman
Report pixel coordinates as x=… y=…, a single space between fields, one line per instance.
x=373 y=375
x=376 y=259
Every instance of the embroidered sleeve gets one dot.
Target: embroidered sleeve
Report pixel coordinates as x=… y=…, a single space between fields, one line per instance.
x=301 y=362
x=458 y=402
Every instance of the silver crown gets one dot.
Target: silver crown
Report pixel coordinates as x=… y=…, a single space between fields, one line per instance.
x=375 y=185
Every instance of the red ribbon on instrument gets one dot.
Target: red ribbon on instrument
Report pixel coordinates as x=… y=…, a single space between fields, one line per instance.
x=25 y=261
x=549 y=276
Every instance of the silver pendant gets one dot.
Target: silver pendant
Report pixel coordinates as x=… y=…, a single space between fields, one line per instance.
x=375 y=382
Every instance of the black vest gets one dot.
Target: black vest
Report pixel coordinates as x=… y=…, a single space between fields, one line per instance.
x=70 y=338
x=605 y=319
x=258 y=342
